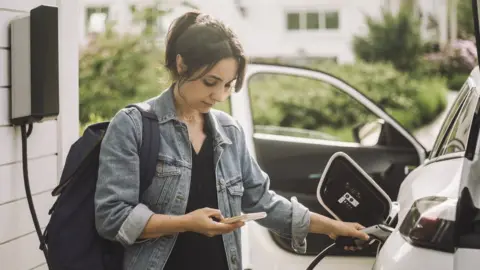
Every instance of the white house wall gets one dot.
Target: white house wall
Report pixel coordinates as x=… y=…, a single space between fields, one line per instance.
x=263 y=32
x=47 y=145
x=265 y=35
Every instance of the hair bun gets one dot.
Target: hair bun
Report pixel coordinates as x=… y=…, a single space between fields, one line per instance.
x=180 y=25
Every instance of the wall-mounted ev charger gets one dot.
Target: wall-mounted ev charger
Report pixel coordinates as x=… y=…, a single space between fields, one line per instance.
x=34 y=82
x=34 y=66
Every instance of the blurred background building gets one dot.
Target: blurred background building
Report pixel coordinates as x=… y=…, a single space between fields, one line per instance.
x=285 y=29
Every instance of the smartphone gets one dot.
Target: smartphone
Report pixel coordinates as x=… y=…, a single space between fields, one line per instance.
x=245 y=217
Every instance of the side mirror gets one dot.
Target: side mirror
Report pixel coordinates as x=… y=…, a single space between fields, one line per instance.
x=348 y=193
x=368 y=133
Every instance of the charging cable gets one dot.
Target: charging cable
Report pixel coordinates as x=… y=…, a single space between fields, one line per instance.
x=25 y=134
x=340 y=242
x=320 y=257
x=379 y=232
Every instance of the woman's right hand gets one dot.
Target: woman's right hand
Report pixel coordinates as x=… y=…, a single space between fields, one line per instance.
x=201 y=221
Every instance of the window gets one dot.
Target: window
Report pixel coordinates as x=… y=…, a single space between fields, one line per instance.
x=458 y=135
x=295 y=106
x=331 y=20
x=293 y=21
x=313 y=20
x=453 y=136
x=96 y=19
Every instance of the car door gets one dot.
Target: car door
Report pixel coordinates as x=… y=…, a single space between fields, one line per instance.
x=295 y=119
x=466 y=237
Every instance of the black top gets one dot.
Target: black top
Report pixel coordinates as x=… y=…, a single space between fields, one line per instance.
x=194 y=250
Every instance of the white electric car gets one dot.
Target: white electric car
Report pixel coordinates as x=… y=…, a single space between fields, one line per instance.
x=434 y=195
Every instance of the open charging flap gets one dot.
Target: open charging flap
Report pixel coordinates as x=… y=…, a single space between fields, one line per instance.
x=349 y=194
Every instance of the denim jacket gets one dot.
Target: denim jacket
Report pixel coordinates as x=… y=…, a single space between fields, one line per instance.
x=241 y=186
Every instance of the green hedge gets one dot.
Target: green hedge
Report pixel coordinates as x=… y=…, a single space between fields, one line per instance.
x=288 y=101
x=414 y=102
x=456 y=81
x=117 y=70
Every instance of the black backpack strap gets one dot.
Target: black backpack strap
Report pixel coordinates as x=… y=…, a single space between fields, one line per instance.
x=150 y=146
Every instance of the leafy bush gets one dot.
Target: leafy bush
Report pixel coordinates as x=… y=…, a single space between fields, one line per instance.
x=414 y=102
x=454 y=62
x=456 y=81
x=116 y=70
x=395 y=38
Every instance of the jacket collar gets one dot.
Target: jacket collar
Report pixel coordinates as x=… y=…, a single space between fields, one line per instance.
x=164 y=107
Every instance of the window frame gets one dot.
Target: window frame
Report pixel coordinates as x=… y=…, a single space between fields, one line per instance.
x=465 y=96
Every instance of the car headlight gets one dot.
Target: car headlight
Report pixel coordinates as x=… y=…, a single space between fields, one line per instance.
x=430 y=223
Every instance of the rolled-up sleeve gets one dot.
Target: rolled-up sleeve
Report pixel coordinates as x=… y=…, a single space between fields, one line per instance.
x=287 y=218
x=118 y=214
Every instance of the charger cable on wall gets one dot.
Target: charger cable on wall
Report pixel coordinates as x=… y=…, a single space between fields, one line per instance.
x=25 y=134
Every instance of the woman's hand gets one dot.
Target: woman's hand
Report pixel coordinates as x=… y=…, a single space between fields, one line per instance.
x=334 y=228
x=348 y=229
x=201 y=221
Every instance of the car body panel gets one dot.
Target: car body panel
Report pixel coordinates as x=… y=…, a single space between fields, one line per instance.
x=441 y=178
x=268 y=255
x=398 y=254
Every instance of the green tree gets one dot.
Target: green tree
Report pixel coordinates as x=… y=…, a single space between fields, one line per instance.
x=395 y=38
x=118 y=69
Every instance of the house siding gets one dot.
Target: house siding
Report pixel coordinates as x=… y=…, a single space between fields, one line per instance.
x=47 y=145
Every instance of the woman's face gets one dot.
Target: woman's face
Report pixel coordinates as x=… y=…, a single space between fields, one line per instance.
x=214 y=87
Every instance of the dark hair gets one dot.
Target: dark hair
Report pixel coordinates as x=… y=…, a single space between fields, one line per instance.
x=202 y=41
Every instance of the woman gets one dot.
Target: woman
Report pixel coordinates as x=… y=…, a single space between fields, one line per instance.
x=204 y=170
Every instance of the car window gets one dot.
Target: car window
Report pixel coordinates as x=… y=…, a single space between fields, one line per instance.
x=454 y=133
x=289 y=105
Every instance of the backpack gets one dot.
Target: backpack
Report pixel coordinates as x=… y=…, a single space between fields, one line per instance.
x=70 y=240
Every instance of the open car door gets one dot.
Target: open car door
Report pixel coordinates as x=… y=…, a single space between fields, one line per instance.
x=287 y=114
x=467 y=222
